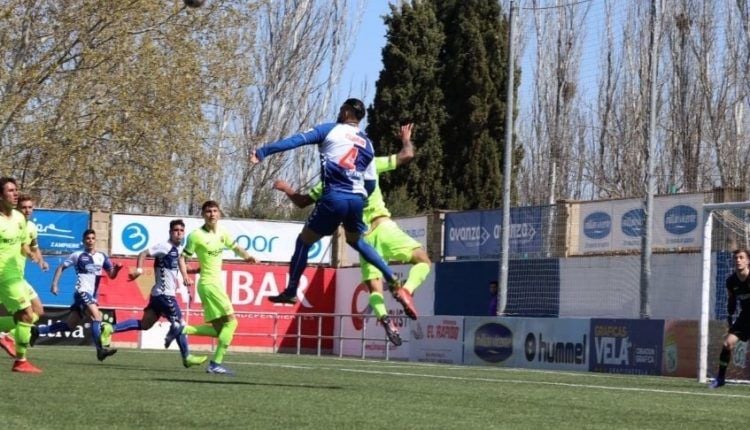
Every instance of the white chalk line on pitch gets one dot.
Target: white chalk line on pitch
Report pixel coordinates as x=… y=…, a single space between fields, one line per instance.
x=514 y=381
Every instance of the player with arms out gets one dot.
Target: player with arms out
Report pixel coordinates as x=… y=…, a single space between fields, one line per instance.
x=738 y=288
x=386 y=237
x=162 y=303
x=348 y=177
x=208 y=243
x=89 y=265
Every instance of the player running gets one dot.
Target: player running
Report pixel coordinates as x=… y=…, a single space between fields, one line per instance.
x=167 y=270
x=89 y=265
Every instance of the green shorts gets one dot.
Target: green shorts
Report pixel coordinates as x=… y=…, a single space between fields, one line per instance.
x=215 y=302
x=391 y=243
x=15 y=294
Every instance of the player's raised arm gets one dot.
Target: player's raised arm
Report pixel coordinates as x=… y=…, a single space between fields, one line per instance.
x=313 y=136
x=407 y=149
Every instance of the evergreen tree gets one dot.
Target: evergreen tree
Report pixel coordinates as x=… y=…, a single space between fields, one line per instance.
x=408 y=89
x=474 y=83
x=445 y=69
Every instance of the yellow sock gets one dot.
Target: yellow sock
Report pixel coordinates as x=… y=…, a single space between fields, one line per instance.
x=417 y=275
x=377 y=303
x=225 y=339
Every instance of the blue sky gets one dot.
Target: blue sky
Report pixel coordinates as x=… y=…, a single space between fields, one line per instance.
x=365 y=62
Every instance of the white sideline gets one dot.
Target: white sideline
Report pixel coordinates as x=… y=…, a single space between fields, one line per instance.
x=392 y=364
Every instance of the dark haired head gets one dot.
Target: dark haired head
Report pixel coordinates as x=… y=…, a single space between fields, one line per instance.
x=6 y=180
x=209 y=204
x=88 y=232
x=175 y=222
x=357 y=106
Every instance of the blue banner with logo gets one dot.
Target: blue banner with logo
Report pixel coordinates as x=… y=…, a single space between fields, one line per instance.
x=626 y=346
x=60 y=231
x=478 y=234
x=42 y=281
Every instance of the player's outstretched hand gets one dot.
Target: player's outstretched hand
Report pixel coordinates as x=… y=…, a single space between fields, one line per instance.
x=250 y=259
x=254 y=158
x=406 y=132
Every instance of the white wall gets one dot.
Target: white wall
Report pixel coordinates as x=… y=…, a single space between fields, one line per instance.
x=610 y=286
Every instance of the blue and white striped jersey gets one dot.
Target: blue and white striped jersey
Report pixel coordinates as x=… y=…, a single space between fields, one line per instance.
x=166 y=268
x=346 y=155
x=88 y=268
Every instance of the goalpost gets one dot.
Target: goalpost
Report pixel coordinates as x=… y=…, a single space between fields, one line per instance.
x=726 y=227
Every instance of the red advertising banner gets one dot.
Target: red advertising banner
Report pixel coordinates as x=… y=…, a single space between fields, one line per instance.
x=248 y=287
x=680 y=356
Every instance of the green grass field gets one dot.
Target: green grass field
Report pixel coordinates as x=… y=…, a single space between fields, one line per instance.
x=150 y=389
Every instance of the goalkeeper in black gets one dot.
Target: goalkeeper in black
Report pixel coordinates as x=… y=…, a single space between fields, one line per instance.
x=738 y=288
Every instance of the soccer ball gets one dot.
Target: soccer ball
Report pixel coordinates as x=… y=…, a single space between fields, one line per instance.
x=194 y=3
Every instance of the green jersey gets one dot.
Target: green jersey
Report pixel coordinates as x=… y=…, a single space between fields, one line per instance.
x=375 y=206
x=208 y=246
x=13 y=234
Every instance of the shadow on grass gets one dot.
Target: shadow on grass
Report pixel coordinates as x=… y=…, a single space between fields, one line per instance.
x=177 y=369
x=227 y=380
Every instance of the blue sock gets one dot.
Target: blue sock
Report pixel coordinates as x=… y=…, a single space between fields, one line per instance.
x=297 y=266
x=96 y=332
x=54 y=328
x=368 y=253
x=128 y=325
x=182 y=343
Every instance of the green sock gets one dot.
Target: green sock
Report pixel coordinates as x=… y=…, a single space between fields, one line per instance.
x=7 y=324
x=225 y=339
x=200 y=330
x=23 y=336
x=417 y=275
x=377 y=303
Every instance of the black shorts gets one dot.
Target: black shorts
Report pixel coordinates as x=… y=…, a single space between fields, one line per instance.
x=741 y=327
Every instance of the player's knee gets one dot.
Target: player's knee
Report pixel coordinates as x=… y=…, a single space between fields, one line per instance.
x=730 y=342
x=420 y=256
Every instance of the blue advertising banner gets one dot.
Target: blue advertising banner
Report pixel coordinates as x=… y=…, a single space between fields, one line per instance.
x=478 y=234
x=60 y=231
x=42 y=281
x=626 y=346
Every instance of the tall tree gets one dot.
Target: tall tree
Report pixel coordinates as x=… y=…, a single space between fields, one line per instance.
x=445 y=68
x=408 y=90
x=474 y=83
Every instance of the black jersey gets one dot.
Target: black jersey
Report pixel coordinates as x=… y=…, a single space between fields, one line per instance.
x=741 y=291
